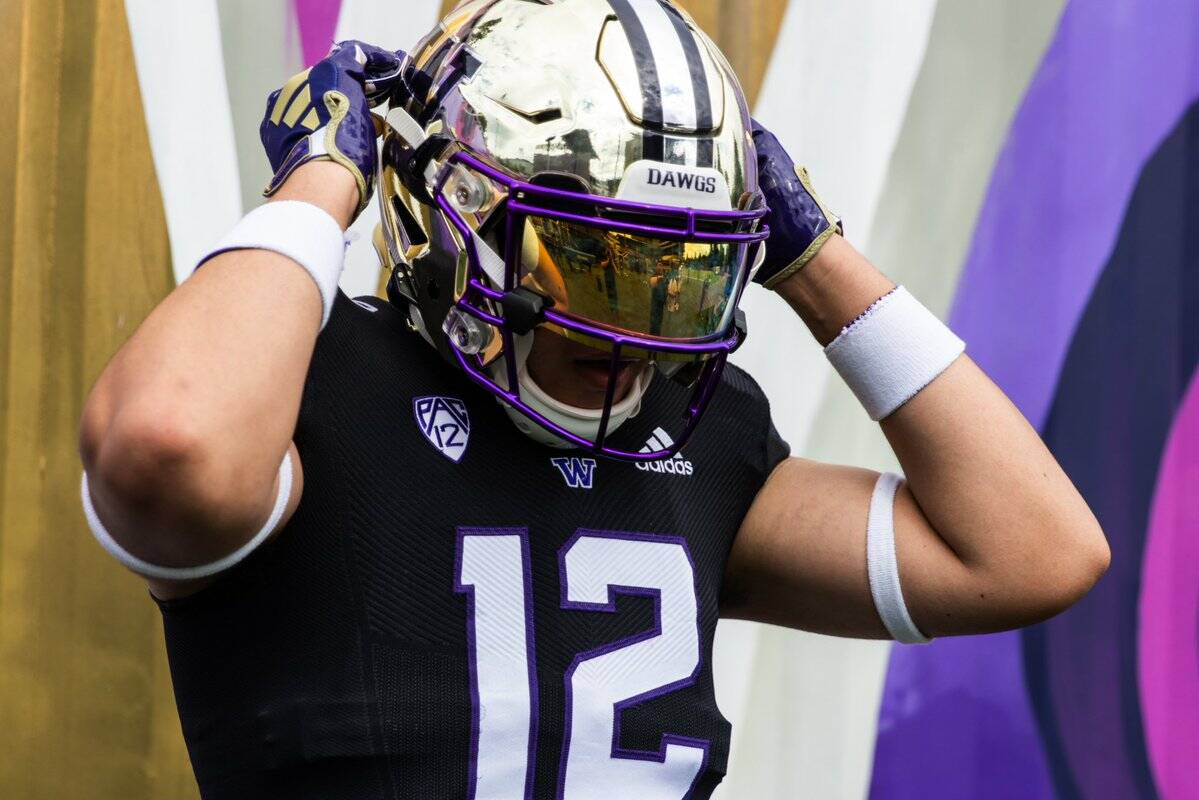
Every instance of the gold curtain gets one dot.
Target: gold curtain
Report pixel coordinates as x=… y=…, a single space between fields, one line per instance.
x=85 y=704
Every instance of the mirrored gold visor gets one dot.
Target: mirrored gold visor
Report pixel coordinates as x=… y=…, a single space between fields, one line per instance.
x=634 y=284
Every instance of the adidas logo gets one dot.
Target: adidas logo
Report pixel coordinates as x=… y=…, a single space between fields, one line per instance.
x=660 y=440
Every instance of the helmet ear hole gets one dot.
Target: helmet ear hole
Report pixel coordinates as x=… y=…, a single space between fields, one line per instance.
x=411 y=165
x=413 y=239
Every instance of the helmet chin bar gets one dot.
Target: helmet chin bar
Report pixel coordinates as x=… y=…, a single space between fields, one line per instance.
x=508 y=379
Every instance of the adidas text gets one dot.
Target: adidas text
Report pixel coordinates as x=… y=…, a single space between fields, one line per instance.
x=671 y=466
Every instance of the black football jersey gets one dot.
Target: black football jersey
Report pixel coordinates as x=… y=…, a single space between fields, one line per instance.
x=456 y=611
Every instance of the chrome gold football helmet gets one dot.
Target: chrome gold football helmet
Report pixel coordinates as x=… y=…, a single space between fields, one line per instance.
x=582 y=165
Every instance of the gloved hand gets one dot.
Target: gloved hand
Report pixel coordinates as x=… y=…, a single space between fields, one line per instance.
x=324 y=113
x=799 y=223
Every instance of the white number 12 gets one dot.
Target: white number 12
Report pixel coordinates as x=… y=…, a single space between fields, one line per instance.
x=493 y=570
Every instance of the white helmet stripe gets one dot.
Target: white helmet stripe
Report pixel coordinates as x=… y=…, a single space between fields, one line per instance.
x=679 y=107
x=701 y=87
x=653 y=147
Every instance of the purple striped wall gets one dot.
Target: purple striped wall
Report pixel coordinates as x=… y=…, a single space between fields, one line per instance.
x=956 y=720
x=318 y=21
x=1114 y=82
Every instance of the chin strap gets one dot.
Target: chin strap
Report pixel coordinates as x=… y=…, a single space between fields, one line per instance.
x=582 y=422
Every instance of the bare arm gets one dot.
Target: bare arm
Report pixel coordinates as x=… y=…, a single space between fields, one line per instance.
x=184 y=431
x=990 y=532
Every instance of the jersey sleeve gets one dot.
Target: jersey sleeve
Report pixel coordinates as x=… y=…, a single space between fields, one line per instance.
x=771 y=448
x=777 y=450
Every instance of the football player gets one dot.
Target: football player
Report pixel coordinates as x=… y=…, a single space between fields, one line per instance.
x=474 y=540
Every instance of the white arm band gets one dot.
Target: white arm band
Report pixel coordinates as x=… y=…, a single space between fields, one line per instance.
x=302 y=232
x=148 y=570
x=883 y=567
x=893 y=351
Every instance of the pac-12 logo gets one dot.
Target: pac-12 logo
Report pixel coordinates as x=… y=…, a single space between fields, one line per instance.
x=445 y=423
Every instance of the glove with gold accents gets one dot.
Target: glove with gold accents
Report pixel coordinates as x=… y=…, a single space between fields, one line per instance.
x=324 y=114
x=799 y=223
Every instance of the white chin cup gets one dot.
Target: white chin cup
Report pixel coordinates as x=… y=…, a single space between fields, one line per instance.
x=582 y=422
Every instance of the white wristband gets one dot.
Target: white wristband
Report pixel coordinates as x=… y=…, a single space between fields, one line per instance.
x=892 y=351
x=883 y=567
x=148 y=570
x=302 y=232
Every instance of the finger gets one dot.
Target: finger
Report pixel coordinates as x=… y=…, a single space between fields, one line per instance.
x=379 y=90
x=349 y=57
x=376 y=97
x=378 y=58
x=271 y=99
x=380 y=124
x=374 y=59
x=383 y=67
x=380 y=85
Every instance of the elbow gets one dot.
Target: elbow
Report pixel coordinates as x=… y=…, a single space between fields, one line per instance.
x=146 y=481
x=1032 y=584
x=1092 y=556
x=148 y=465
x=163 y=489
x=1080 y=559
x=152 y=466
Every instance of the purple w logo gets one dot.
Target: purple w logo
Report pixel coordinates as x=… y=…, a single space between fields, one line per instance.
x=578 y=472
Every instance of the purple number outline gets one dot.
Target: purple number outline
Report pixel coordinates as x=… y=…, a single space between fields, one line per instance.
x=530 y=653
x=614 y=590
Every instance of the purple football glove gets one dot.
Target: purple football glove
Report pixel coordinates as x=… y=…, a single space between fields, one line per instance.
x=799 y=223
x=324 y=114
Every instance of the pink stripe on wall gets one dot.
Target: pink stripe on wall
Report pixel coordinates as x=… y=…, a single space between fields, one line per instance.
x=318 y=22
x=1168 y=650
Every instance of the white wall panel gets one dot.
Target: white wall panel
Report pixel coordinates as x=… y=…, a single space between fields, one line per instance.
x=837 y=93
x=262 y=50
x=397 y=27
x=980 y=59
x=804 y=707
x=191 y=122
x=902 y=141
x=181 y=71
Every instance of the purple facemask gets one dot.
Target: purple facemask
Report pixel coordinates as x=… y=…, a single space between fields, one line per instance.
x=725 y=243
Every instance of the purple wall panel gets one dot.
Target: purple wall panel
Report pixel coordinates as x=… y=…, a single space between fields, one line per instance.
x=1114 y=82
x=956 y=720
x=955 y=723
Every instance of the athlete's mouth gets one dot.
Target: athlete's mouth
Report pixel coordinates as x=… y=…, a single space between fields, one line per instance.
x=597 y=371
